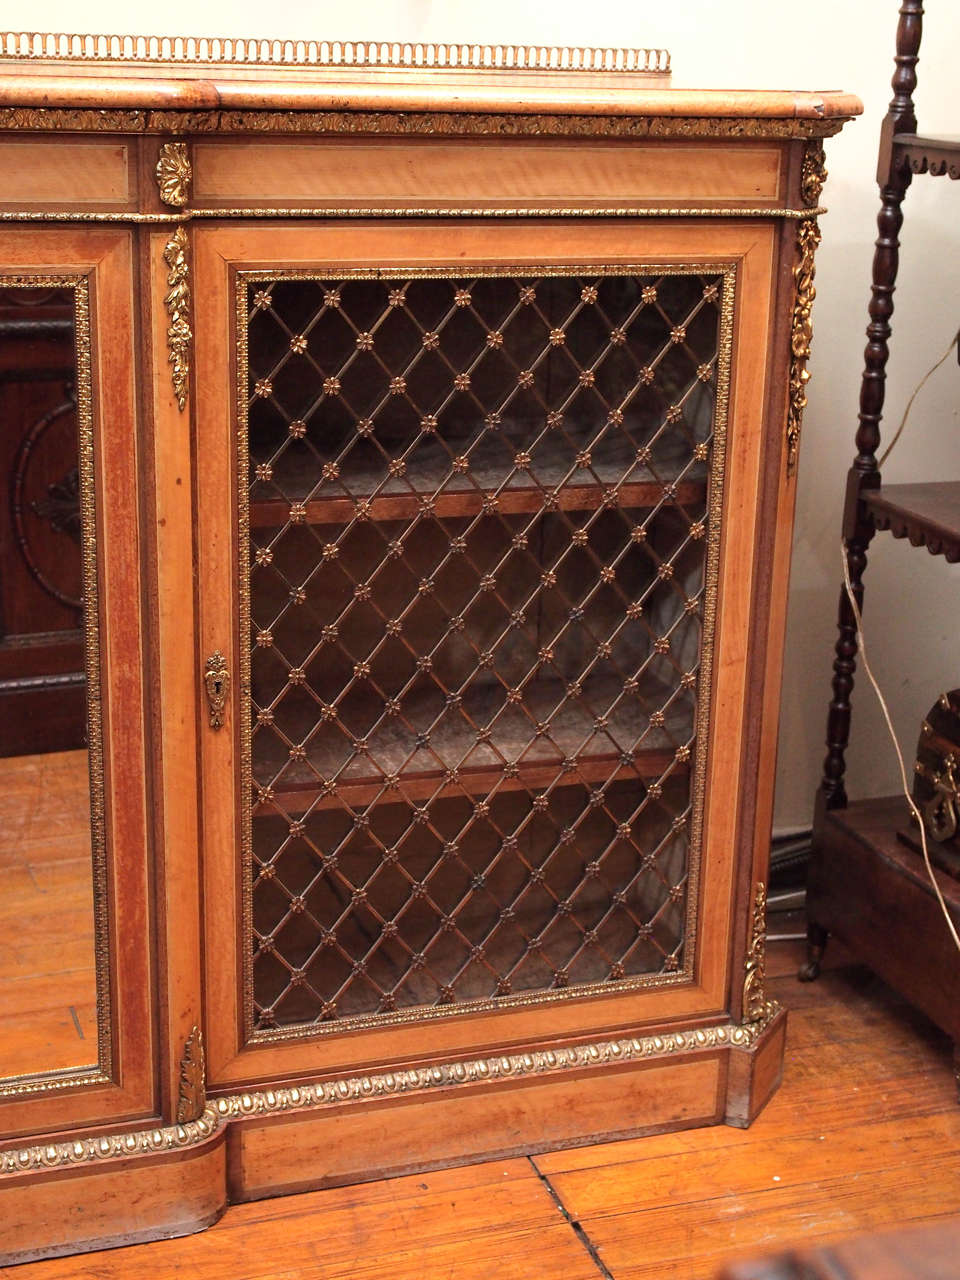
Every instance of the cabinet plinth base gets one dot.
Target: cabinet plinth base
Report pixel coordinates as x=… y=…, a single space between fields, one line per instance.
x=563 y=1098
x=154 y=1184
x=69 y=1206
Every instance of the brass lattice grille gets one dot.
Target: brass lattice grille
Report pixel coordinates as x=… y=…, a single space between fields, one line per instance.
x=479 y=514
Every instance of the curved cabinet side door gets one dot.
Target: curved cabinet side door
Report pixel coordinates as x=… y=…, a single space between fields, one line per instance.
x=77 y=1041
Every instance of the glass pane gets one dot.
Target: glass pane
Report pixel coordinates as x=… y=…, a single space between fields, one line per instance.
x=48 y=981
x=479 y=517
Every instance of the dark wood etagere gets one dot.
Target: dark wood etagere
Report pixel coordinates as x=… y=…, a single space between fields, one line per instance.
x=866 y=886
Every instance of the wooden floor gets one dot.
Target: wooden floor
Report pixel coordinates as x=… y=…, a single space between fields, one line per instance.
x=864 y=1134
x=48 y=989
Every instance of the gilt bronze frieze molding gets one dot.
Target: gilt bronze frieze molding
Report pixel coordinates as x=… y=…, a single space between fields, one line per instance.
x=407 y=123
x=414 y=211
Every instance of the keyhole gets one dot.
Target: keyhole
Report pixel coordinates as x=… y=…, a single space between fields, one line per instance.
x=218 y=687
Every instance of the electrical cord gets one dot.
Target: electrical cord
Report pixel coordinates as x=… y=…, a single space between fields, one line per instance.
x=896 y=745
x=866 y=664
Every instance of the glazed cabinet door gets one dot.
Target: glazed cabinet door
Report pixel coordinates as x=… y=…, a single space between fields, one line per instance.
x=477 y=528
x=75 y=971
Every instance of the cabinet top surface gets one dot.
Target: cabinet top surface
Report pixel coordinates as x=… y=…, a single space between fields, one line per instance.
x=133 y=73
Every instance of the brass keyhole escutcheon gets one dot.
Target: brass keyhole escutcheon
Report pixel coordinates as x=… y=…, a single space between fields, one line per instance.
x=216 y=680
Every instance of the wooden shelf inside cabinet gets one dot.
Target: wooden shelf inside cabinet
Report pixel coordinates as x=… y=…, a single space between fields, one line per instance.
x=297 y=796
x=512 y=500
x=450 y=757
x=487 y=474
x=928 y=514
x=929 y=154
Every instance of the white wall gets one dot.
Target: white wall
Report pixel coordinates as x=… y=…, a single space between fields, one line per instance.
x=911 y=612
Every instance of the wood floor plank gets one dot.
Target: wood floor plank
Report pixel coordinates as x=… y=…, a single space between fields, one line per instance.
x=460 y=1222
x=47 y=889
x=395 y=1191
x=707 y=1172
x=49 y=953
x=48 y=1040
x=864 y=1133
x=690 y=1242
x=825 y=1087
x=49 y=991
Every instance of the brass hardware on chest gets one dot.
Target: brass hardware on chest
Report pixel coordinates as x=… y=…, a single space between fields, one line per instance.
x=216 y=682
x=173 y=173
x=177 y=302
x=193 y=1095
x=754 y=998
x=936 y=790
x=813 y=176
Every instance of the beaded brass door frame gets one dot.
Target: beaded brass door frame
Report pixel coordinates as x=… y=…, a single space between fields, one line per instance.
x=254 y=291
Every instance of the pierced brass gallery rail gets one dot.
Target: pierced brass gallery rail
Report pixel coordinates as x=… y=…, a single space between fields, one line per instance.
x=240 y=51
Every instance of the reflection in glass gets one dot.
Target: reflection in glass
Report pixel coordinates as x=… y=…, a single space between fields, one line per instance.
x=48 y=981
x=479 y=521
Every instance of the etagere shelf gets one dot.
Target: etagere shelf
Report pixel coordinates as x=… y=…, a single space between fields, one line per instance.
x=867 y=885
x=928 y=514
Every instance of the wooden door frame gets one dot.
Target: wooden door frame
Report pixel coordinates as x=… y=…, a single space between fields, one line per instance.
x=123 y=1088
x=749 y=247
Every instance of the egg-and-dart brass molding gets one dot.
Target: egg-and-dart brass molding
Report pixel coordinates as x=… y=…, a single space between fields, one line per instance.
x=402 y=1082
x=408 y=211
x=413 y=123
x=43 y=215
x=100 y=1072
x=110 y=1146
x=177 y=302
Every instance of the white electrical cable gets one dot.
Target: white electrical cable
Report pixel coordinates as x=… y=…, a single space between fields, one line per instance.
x=896 y=745
x=906 y=413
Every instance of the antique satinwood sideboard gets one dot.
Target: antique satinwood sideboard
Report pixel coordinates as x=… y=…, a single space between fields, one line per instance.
x=423 y=457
